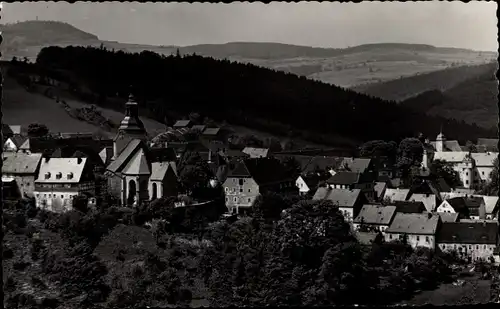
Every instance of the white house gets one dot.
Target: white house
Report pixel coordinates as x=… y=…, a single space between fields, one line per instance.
x=484 y=165
x=374 y=218
x=430 y=200
x=419 y=229
x=472 y=240
x=60 y=180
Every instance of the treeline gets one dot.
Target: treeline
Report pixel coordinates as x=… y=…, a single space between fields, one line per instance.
x=474 y=101
x=403 y=88
x=277 y=102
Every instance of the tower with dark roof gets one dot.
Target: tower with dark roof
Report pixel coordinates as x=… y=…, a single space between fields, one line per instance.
x=130 y=128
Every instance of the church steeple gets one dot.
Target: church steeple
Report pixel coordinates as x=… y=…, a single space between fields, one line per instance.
x=131 y=123
x=130 y=128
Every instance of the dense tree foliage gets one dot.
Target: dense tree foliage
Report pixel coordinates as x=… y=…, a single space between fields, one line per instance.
x=379 y=149
x=491 y=188
x=252 y=96
x=37 y=130
x=444 y=170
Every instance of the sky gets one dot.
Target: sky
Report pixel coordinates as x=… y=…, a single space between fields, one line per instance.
x=470 y=25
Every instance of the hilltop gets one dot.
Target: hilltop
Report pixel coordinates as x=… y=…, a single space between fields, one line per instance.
x=243 y=94
x=404 y=88
x=347 y=67
x=474 y=100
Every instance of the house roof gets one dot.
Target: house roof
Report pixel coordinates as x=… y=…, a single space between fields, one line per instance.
x=484 y=159
x=312 y=180
x=302 y=160
x=344 y=178
x=160 y=169
x=458 y=204
x=340 y=197
x=124 y=156
x=468 y=233
x=262 y=170
x=182 y=123
x=455 y=156
x=379 y=188
x=211 y=131
x=442 y=185
x=376 y=214
x=63 y=166
x=411 y=223
x=490 y=144
x=21 y=163
x=429 y=200
x=320 y=163
x=254 y=152
x=18 y=139
x=448 y=216
x=138 y=164
x=396 y=194
x=16 y=129
x=409 y=207
x=358 y=165
x=490 y=204
x=449 y=145
x=7 y=130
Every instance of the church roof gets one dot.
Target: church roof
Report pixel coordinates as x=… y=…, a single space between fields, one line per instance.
x=138 y=164
x=124 y=156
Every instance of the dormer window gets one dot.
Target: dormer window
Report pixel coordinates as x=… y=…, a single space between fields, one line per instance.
x=47 y=175
x=70 y=176
x=59 y=175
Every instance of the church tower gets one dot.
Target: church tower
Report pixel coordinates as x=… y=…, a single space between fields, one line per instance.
x=440 y=142
x=130 y=128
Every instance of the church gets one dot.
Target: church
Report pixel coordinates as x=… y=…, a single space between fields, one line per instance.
x=473 y=168
x=137 y=172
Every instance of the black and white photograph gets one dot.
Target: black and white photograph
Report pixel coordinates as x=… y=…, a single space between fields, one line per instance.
x=161 y=155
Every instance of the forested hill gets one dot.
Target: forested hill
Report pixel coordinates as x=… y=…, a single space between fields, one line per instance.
x=243 y=94
x=406 y=87
x=472 y=101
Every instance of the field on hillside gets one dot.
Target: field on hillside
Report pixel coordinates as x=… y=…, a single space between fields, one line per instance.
x=348 y=67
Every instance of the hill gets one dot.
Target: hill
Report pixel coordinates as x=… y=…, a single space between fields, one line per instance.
x=243 y=94
x=347 y=67
x=472 y=101
x=404 y=88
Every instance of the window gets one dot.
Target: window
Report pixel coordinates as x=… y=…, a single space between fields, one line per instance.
x=227 y=199
x=477 y=247
x=249 y=200
x=482 y=173
x=418 y=238
x=390 y=236
x=62 y=196
x=467 y=174
x=249 y=190
x=59 y=175
x=235 y=199
x=227 y=189
x=427 y=238
x=240 y=181
x=466 y=182
x=484 y=247
x=241 y=190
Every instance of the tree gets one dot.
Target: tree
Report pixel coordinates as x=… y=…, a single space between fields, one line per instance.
x=444 y=170
x=80 y=203
x=37 y=130
x=470 y=146
x=379 y=148
x=491 y=187
x=292 y=167
x=273 y=144
x=410 y=154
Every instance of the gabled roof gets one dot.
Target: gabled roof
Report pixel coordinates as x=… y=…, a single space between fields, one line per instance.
x=262 y=170
x=312 y=180
x=320 y=163
x=448 y=216
x=396 y=194
x=211 y=131
x=484 y=159
x=458 y=204
x=379 y=188
x=254 y=152
x=376 y=214
x=21 y=163
x=490 y=144
x=6 y=130
x=468 y=233
x=182 y=123
x=106 y=154
x=340 y=197
x=490 y=204
x=344 y=178
x=417 y=224
x=160 y=169
x=449 y=146
x=357 y=165
x=70 y=170
x=430 y=200
x=16 y=129
x=18 y=139
x=119 y=163
x=138 y=164
x=455 y=156
x=409 y=207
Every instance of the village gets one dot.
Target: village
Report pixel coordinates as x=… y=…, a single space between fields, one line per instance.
x=61 y=169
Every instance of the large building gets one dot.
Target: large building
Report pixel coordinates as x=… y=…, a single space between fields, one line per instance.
x=138 y=173
x=473 y=168
x=21 y=170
